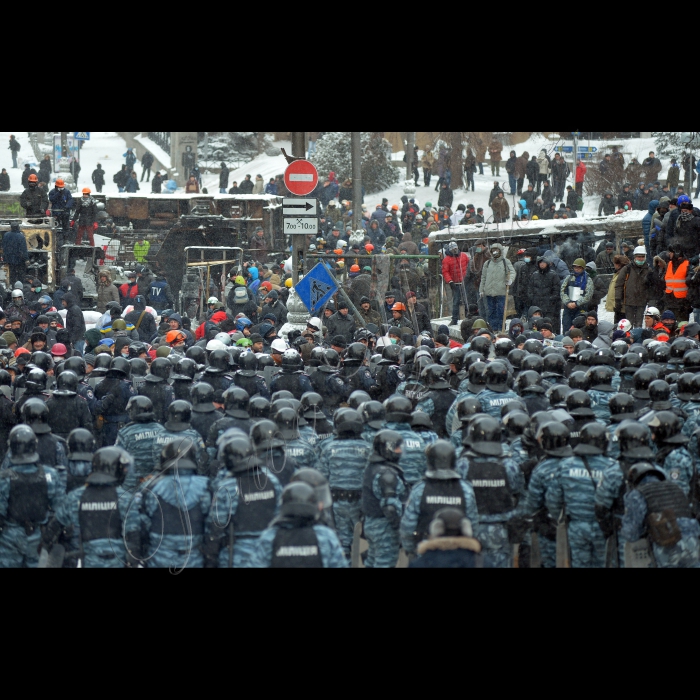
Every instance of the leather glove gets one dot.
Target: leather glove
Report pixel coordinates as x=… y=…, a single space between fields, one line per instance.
x=95 y=226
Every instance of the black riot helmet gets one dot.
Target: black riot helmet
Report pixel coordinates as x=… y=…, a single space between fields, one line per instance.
x=102 y=362
x=248 y=364
x=532 y=363
x=585 y=357
x=23 y=445
x=235 y=454
x=109 y=466
x=357 y=398
x=441 y=458
x=137 y=348
x=180 y=453
x=630 y=363
x=139 y=367
x=119 y=368
x=299 y=501
x=435 y=377
x=497 y=376
x=661 y=353
x=140 y=409
x=420 y=419
x=553 y=439
x=484 y=436
x=391 y=353
x=477 y=374
x=311 y=404
x=468 y=407
x=619 y=348
x=553 y=365
x=236 y=401
x=515 y=423
x=259 y=408
x=582 y=345
x=219 y=361
x=634 y=439
x=67 y=384
x=639 y=349
x=659 y=390
x=408 y=354
x=315 y=358
x=471 y=358
x=288 y=423
x=533 y=346
x=81 y=445
x=512 y=405
x=36 y=380
x=665 y=427
x=373 y=414
x=593 y=440
x=684 y=386
x=641 y=469
x=621 y=406
x=456 y=358
x=179 y=415
x=5 y=378
x=277 y=405
x=388 y=445
x=42 y=360
x=160 y=369
x=348 y=422
x=291 y=361
x=234 y=353
x=579 y=380
x=185 y=369
x=265 y=436
x=355 y=354
x=529 y=382
x=398 y=409
x=317 y=482
x=331 y=358
x=557 y=395
x=516 y=357
x=578 y=404
x=482 y=345
x=603 y=356
x=503 y=346
x=679 y=347
x=283 y=394
x=600 y=377
x=642 y=379
x=202 y=394
x=197 y=354
x=691 y=361
x=35 y=414
x=442 y=355
x=76 y=365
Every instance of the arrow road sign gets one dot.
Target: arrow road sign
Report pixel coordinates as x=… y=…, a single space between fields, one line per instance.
x=81 y=135
x=587 y=149
x=316 y=288
x=300 y=207
x=300 y=225
x=564 y=149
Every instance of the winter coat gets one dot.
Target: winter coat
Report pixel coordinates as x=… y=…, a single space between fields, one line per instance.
x=687 y=234
x=604 y=261
x=157 y=184
x=14 y=248
x=543 y=161
x=376 y=235
x=572 y=200
x=529 y=197
x=246 y=187
x=75 y=322
x=338 y=324
x=4 y=182
x=533 y=169
x=34 y=201
x=447 y=553
x=61 y=200
x=510 y=165
x=280 y=311
x=547 y=196
x=147 y=160
x=623 y=198
x=454 y=268
x=521 y=285
x=427 y=161
x=495 y=151
x=85 y=212
x=496 y=275
x=259 y=186
x=607 y=205
x=106 y=292
x=445 y=197
x=634 y=285
x=610 y=301
x=130 y=159
x=543 y=291
x=224 y=177
x=132 y=185
x=560 y=169
x=501 y=210
x=673 y=177
x=521 y=165
x=45 y=171
x=147 y=327
x=586 y=286
x=120 y=178
x=581 y=170
x=98 y=177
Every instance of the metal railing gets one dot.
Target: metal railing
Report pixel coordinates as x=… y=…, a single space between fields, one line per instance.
x=161 y=138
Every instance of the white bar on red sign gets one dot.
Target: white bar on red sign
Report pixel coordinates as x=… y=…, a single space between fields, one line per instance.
x=301 y=177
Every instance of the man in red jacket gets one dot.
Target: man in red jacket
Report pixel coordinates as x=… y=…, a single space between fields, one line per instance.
x=454 y=268
x=581 y=170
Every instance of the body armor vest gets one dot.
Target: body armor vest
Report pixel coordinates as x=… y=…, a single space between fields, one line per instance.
x=99 y=514
x=296 y=548
x=256 y=506
x=438 y=493
x=490 y=483
x=29 y=497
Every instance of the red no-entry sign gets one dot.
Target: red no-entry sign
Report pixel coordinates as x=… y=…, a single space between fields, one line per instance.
x=301 y=177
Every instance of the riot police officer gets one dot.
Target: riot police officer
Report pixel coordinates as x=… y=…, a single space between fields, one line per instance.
x=413 y=458
x=52 y=449
x=373 y=415
x=78 y=366
x=113 y=394
x=299 y=450
x=497 y=393
x=354 y=372
x=383 y=492
x=317 y=427
x=178 y=427
x=81 y=447
x=157 y=389
x=92 y=516
x=292 y=377
x=343 y=461
x=621 y=408
x=439 y=398
x=440 y=487
x=67 y=410
x=7 y=415
x=183 y=375
x=246 y=499
x=201 y=397
x=295 y=539
x=247 y=376
x=236 y=415
x=28 y=491
x=218 y=372
x=600 y=379
x=389 y=374
x=269 y=448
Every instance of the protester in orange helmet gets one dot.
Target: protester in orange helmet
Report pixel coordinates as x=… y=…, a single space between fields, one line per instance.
x=61 y=204
x=34 y=199
x=86 y=217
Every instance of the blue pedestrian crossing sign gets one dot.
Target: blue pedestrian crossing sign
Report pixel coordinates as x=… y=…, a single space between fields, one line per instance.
x=316 y=288
x=81 y=135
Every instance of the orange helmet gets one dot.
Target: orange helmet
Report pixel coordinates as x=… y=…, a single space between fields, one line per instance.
x=355 y=268
x=86 y=190
x=369 y=247
x=395 y=207
x=173 y=337
x=60 y=183
x=338 y=251
x=33 y=178
x=398 y=306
